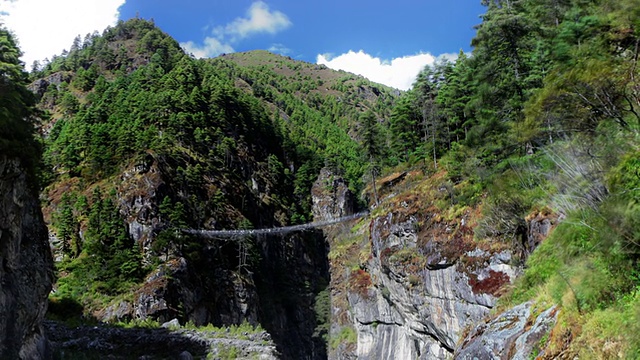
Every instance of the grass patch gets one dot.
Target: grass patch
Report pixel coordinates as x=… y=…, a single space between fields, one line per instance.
x=347 y=335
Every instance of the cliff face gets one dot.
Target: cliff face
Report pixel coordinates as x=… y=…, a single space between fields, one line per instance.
x=26 y=271
x=422 y=294
x=407 y=281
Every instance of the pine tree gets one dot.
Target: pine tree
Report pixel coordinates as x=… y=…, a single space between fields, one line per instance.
x=16 y=105
x=372 y=146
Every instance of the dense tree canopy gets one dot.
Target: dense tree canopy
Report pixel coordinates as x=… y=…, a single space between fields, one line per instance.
x=16 y=104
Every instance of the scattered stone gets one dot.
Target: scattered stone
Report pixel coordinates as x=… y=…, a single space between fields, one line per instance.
x=173 y=324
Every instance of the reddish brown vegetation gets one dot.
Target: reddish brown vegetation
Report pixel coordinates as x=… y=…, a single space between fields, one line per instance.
x=360 y=282
x=492 y=284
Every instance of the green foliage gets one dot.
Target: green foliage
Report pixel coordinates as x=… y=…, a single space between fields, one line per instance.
x=17 y=110
x=541 y=113
x=322 y=310
x=346 y=336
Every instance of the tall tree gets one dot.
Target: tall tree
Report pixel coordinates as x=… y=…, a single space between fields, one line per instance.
x=404 y=128
x=372 y=146
x=16 y=104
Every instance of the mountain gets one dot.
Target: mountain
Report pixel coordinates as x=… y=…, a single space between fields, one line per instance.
x=496 y=201
x=143 y=141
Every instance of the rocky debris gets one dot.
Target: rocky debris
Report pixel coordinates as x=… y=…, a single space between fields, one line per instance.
x=331 y=197
x=103 y=342
x=27 y=266
x=517 y=333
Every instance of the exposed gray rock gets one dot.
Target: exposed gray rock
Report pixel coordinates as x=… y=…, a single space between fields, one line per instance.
x=121 y=311
x=508 y=335
x=27 y=271
x=418 y=309
x=40 y=86
x=331 y=197
x=140 y=193
x=173 y=324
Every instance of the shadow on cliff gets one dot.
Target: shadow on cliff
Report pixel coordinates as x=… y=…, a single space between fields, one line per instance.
x=291 y=277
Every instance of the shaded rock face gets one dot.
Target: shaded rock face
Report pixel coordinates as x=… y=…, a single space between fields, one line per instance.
x=176 y=290
x=514 y=334
x=26 y=272
x=278 y=292
x=170 y=342
x=294 y=270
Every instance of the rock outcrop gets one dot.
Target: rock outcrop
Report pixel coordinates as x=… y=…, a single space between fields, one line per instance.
x=331 y=197
x=517 y=334
x=26 y=272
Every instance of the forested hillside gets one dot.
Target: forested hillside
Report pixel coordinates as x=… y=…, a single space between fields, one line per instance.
x=142 y=140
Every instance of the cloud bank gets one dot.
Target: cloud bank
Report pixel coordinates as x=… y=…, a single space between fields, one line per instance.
x=46 y=27
x=399 y=73
x=259 y=19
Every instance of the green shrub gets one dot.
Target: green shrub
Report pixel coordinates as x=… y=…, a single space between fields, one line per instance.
x=347 y=335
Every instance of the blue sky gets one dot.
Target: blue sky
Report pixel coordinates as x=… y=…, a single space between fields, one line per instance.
x=386 y=41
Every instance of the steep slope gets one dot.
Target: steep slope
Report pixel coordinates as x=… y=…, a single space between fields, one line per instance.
x=26 y=273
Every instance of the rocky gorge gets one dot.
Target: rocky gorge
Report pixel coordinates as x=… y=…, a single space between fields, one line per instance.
x=408 y=298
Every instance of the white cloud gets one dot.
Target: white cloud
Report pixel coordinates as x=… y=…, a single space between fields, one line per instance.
x=279 y=49
x=260 y=19
x=211 y=47
x=45 y=27
x=399 y=73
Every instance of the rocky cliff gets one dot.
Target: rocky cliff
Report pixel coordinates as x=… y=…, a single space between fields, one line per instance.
x=409 y=279
x=26 y=271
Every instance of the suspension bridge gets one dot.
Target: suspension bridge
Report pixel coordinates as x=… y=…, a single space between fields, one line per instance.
x=216 y=234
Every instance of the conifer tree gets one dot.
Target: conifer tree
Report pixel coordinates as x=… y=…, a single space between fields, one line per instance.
x=372 y=146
